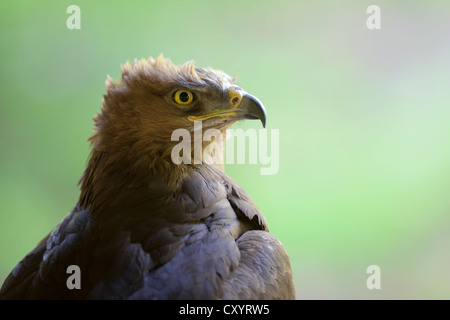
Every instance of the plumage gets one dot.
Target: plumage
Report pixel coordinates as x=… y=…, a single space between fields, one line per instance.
x=147 y=228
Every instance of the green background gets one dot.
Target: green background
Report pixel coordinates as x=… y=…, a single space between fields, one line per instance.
x=363 y=117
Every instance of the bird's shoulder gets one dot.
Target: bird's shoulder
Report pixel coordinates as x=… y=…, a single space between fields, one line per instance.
x=264 y=270
x=42 y=273
x=242 y=204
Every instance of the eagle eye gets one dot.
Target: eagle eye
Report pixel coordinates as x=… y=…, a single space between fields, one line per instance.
x=183 y=97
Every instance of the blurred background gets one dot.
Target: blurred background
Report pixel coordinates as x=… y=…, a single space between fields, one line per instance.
x=363 y=117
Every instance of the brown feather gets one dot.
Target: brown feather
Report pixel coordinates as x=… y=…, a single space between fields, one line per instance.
x=146 y=228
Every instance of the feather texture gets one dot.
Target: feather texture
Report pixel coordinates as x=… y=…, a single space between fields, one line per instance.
x=146 y=228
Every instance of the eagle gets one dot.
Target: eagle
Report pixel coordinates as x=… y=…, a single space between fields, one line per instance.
x=145 y=227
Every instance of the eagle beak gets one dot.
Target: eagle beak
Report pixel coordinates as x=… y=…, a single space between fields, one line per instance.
x=241 y=106
x=251 y=108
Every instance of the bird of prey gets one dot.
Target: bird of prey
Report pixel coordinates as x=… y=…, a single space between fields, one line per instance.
x=147 y=228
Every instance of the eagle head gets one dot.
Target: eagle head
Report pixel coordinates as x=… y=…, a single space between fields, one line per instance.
x=155 y=97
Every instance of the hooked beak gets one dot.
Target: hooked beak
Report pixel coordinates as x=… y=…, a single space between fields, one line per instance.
x=242 y=106
x=251 y=108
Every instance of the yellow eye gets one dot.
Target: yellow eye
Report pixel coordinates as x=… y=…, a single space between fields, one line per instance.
x=183 y=97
